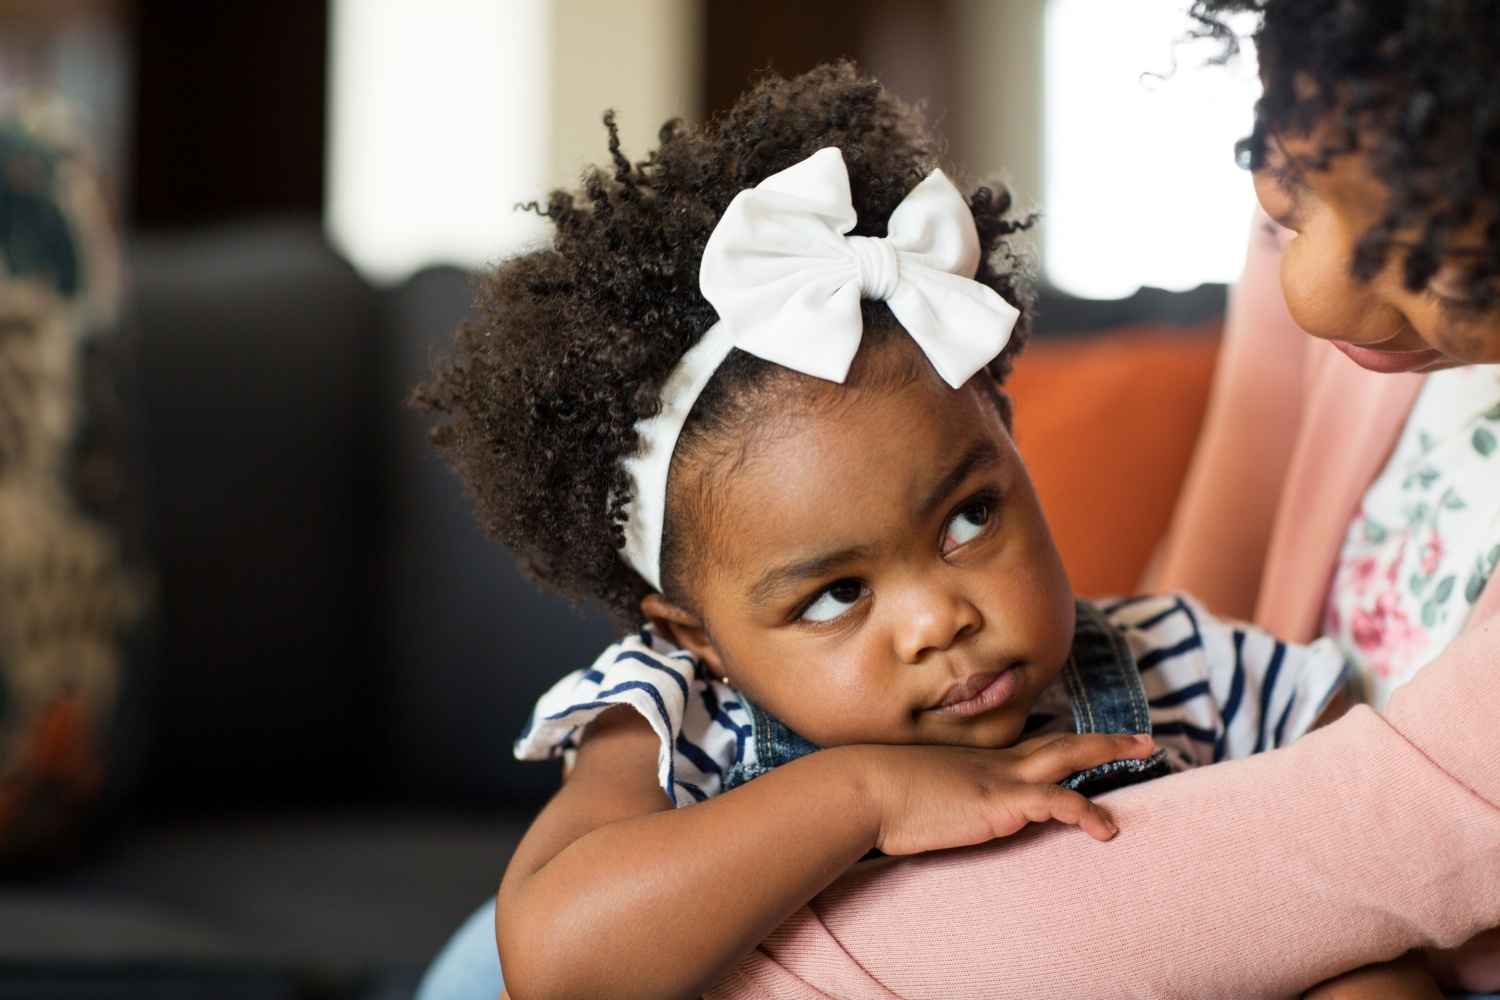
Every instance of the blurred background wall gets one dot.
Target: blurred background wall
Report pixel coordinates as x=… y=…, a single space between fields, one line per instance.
x=413 y=126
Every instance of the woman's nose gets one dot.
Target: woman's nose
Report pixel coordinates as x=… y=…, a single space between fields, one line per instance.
x=934 y=620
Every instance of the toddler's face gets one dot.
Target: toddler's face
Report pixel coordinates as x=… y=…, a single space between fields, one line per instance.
x=882 y=572
x=1378 y=324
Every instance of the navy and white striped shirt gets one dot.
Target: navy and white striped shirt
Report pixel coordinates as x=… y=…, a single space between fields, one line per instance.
x=1217 y=690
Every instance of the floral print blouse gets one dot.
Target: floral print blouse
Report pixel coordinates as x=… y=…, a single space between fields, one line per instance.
x=1426 y=537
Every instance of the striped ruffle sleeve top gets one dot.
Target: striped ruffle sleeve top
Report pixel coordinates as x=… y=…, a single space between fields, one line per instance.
x=1217 y=690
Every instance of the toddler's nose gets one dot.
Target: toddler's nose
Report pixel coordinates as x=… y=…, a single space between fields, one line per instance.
x=935 y=621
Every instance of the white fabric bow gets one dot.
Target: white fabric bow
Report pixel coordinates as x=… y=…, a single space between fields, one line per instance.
x=787 y=282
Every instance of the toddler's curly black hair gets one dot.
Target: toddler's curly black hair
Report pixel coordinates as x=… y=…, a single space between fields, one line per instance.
x=567 y=347
x=1411 y=85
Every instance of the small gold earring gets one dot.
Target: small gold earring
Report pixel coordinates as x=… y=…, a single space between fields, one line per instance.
x=725 y=679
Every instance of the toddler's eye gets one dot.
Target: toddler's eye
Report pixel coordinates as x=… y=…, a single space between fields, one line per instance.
x=968 y=524
x=835 y=599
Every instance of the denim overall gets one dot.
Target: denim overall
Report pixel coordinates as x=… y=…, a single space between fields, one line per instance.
x=1104 y=688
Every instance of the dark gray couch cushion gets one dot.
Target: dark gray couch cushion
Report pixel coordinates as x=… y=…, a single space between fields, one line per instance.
x=254 y=387
x=134 y=981
x=471 y=643
x=340 y=893
x=333 y=621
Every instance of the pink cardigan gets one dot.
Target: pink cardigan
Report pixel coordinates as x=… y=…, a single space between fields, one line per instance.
x=1253 y=878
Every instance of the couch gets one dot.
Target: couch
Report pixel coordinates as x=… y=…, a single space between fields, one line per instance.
x=311 y=777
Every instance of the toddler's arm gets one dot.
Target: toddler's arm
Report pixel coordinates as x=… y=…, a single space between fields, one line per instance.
x=613 y=892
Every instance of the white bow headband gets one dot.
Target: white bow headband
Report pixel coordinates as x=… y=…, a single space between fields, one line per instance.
x=787 y=284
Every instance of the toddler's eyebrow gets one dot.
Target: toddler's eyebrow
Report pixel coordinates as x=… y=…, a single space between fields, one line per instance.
x=778 y=578
x=981 y=455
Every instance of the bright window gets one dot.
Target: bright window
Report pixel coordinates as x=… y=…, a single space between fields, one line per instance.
x=1141 y=186
x=438 y=125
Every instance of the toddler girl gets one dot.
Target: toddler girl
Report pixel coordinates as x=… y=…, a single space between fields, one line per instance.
x=749 y=399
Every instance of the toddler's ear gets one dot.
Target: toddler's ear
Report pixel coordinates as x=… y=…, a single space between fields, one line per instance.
x=682 y=628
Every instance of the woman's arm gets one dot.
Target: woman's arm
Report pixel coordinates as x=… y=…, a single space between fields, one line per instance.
x=614 y=893
x=1258 y=877
x=1221 y=529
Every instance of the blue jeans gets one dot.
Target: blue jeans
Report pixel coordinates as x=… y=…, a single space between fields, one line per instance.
x=468 y=967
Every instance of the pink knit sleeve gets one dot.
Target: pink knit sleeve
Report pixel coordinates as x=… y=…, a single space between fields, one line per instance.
x=1244 y=447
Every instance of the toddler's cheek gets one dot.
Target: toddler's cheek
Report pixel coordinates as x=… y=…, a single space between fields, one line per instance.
x=1034 y=609
x=1055 y=640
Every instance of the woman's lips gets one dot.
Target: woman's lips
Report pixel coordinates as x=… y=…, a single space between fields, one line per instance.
x=981 y=693
x=1389 y=362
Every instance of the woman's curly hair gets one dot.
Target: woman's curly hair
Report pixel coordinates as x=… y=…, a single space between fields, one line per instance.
x=567 y=347
x=1409 y=84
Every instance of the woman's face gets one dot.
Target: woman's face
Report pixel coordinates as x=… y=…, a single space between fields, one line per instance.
x=881 y=571
x=1379 y=324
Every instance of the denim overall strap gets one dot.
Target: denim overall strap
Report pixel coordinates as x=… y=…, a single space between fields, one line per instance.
x=775 y=745
x=1104 y=688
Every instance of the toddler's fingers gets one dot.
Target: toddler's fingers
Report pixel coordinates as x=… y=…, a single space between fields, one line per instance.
x=1049 y=802
x=1054 y=760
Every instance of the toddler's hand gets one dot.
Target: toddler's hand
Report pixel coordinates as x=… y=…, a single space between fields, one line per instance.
x=934 y=797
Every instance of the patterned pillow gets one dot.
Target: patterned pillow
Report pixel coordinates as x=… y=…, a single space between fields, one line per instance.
x=68 y=594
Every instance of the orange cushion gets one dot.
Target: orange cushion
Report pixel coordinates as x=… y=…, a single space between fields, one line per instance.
x=1107 y=427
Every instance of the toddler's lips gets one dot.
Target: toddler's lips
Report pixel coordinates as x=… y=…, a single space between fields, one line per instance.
x=980 y=693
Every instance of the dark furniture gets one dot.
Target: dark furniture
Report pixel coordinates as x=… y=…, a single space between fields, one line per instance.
x=320 y=723
x=314 y=782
